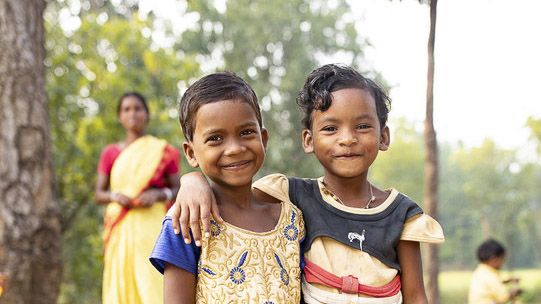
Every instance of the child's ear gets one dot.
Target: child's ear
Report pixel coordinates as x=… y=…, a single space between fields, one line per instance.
x=307 y=141
x=385 y=139
x=264 y=137
x=190 y=154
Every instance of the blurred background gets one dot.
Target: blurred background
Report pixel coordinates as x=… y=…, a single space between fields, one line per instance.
x=487 y=106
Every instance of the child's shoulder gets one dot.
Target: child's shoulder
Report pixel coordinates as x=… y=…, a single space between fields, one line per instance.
x=399 y=199
x=273 y=185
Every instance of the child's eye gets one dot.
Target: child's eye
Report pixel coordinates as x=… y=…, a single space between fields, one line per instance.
x=214 y=138
x=363 y=126
x=329 y=129
x=247 y=132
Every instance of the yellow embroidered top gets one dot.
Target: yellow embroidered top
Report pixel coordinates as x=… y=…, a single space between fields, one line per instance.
x=241 y=266
x=343 y=260
x=486 y=286
x=235 y=265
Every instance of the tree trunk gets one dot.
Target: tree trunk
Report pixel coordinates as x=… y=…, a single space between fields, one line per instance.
x=431 y=164
x=30 y=235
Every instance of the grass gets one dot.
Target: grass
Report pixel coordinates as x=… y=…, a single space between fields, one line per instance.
x=454 y=285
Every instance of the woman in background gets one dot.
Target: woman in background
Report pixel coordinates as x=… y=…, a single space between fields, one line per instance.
x=137 y=177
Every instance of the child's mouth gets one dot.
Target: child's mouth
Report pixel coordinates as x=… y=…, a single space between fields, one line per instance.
x=236 y=165
x=347 y=156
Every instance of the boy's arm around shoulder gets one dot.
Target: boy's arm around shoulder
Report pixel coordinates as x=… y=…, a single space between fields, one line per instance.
x=194 y=204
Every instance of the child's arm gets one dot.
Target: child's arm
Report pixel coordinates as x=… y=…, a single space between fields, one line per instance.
x=195 y=200
x=194 y=205
x=179 y=285
x=409 y=257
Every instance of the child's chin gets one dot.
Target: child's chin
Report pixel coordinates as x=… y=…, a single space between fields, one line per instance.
x=348 y=173
x=238 y=182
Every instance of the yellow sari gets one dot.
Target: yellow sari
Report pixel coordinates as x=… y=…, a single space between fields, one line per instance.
x=129 y=234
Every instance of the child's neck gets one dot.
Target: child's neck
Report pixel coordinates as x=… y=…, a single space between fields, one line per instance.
x=241 y=196
x=353 y=192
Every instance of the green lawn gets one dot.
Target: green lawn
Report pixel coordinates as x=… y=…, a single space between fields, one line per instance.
x=454 y=285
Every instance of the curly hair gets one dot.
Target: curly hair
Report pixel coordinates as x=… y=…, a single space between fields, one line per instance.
x=316 y=93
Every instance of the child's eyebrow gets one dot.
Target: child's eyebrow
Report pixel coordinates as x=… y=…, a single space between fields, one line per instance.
x=248 y=124
x=211 y=130
x=333 y=119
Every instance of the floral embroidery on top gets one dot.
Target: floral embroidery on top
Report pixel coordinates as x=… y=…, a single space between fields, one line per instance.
x=238 y=266
x=237 y=274
x=214 y=228
x=283 y=273
x=205 y=269
x=290 y=231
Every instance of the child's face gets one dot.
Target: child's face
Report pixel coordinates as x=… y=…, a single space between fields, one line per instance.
x=228 y=143
x=497 y=262
x=347 y=137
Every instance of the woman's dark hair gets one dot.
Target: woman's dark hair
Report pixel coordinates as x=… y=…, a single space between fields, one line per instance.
x=490 y=249
x=212 y=88
x=316 y=92
x=132 y=94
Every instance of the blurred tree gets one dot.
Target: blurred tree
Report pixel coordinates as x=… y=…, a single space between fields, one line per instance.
x=29 y=216
x=431 y=180
x=274 y=45
x=96 y=52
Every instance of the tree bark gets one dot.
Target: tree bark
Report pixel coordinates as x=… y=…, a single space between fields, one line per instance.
x=431 y=164
x=30 y=235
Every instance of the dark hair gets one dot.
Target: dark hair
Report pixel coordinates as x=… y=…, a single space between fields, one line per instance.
x=316 y=92
x=212 y=88
x=132 y=94
x=490 y=249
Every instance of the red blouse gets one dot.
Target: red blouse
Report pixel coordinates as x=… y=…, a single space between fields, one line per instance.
x=111 y=152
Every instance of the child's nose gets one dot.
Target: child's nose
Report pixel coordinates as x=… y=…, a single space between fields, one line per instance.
x=234 y=147
x=347 y=138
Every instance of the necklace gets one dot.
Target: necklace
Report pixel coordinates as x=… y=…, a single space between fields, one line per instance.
x=336 y=198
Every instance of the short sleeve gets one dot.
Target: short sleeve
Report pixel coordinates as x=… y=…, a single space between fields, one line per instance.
x=276 y=185
x=107 y=159
x=170 y=248
x=422 y=228
x=172 y=166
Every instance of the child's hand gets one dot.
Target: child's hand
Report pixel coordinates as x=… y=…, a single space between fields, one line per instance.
x=515 y=292
x=512 y=280
x=194 y=204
